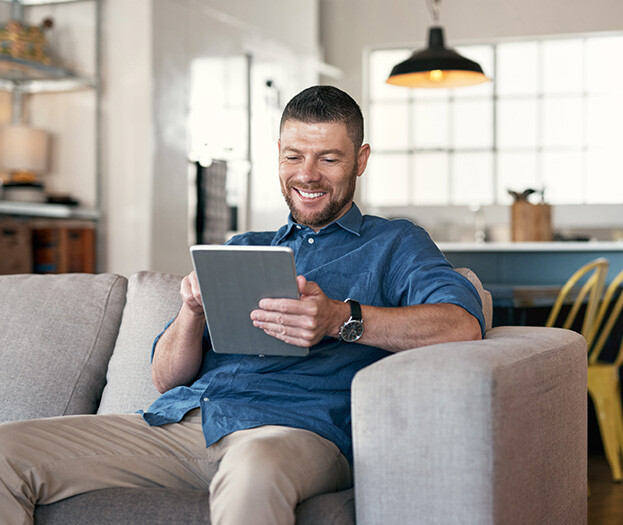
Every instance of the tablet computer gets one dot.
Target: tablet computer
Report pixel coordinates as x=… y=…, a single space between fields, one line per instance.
x=232 y=280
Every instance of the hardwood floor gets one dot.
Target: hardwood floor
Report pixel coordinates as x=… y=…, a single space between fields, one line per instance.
x=605 y=504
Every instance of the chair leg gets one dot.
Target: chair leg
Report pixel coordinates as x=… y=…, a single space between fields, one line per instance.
x=606 y=408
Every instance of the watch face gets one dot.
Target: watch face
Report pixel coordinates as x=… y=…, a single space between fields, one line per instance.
x=351 y=331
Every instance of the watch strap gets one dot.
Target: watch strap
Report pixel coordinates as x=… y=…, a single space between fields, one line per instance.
x=355 y=309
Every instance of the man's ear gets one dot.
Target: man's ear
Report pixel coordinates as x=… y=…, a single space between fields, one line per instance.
x=362 y=159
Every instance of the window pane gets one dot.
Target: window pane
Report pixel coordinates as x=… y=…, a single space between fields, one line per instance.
x=517 y=171
x=604 y=177
x=604 y=120
x=387 y=180
x=430 y=172
x=426 y=94
x=562 y=177
x=472 y=178
x=483 y=55
x=517 y=123
x=516 y=72
x=472 y=124
x=601 y=55
x=389 y=126
x=430 y=122
x=381 y=64
x=563 y=66
x=562 y=122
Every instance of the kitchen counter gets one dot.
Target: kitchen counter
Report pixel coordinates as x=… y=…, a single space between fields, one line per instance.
x=589 y=246
x=531 y=263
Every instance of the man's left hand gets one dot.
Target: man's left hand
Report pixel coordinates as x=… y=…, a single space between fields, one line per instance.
x=301 y=322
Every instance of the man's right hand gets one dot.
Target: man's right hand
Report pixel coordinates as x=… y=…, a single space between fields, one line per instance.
x=179 y=351
x=191 y=295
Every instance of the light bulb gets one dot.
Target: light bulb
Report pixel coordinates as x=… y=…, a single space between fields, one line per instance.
x=436 y=75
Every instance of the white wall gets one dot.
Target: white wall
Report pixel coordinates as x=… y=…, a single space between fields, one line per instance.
x=348 y=27
x=129 y=142
x=150 y=47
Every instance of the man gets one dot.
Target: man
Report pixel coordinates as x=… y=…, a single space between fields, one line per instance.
x=264 y=433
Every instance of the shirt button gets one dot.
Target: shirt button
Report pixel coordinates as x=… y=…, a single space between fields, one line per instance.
x=310 y=240
x=206 y=399
x=298 y=226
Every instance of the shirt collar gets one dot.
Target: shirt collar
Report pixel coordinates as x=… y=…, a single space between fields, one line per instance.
x=350 y=221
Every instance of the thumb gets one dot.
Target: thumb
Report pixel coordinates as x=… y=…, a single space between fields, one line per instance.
x=301 y=283
x=308 y=288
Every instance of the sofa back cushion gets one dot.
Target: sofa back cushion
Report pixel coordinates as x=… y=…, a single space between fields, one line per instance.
x=485 y=295
x=57 y=333
x=153 y=299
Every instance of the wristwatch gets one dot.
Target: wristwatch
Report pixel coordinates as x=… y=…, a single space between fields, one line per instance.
x=352 y=329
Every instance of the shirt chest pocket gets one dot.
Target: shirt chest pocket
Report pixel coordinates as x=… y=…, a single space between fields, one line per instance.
x=360 y=286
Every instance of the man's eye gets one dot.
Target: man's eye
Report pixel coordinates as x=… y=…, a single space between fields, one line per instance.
x=330 y=161
x=292 y=157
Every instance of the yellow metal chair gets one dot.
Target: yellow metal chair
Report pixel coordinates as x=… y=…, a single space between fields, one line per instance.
x=588 y=290
x=603 y=378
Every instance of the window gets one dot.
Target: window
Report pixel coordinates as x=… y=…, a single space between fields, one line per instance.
x=550 y=120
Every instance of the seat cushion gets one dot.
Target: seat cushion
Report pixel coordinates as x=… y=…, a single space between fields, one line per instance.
x=153 y=299
x=56 y=337
x=164 y=506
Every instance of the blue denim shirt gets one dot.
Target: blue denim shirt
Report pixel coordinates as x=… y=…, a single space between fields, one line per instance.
x=372 y=260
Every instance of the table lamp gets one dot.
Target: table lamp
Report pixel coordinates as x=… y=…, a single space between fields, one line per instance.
x=24 y=152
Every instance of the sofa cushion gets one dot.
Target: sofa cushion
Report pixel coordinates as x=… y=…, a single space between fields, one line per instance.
x=128 y=506
x=485 y=296
x=56 y=337
x=153 y=299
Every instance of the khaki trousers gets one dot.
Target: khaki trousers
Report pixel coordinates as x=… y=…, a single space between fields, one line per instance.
x=254 y=476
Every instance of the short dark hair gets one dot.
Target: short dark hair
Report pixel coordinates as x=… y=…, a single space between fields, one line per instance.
x=326 y=104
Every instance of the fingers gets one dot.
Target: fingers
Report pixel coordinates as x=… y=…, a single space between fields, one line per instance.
x=290 y=334
x=305 y=342
x=301 y=322
x=191 y=295
x=279 y=322
x=289 y=321
x=286 y=306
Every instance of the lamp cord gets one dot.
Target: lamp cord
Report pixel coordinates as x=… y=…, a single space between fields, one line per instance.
x=433 y=7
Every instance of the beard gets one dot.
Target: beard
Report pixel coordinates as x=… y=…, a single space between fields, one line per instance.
x=332 y=209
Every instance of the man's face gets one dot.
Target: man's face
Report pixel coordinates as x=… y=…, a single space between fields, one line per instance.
x=318 y=169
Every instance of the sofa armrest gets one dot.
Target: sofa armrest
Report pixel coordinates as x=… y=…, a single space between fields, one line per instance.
x=481 y=432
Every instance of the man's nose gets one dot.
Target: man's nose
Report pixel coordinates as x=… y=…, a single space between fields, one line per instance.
x=309 y=171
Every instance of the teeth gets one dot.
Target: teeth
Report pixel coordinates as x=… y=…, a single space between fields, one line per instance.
x=310 y=195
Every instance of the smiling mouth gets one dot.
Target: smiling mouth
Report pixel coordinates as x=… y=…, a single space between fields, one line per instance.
x=310 y=194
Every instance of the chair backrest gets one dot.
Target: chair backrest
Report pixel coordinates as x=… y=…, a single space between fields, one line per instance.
x=605 y=328
x=592 y=287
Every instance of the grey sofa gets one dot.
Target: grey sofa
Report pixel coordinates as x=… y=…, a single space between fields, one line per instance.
x=487 y=432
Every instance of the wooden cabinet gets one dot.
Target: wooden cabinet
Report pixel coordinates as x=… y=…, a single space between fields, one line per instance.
x=46 y=246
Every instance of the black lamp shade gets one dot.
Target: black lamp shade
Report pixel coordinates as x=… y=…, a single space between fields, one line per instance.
x=436 y=66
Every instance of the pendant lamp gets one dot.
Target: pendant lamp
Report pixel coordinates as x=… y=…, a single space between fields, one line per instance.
x=436 y=66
